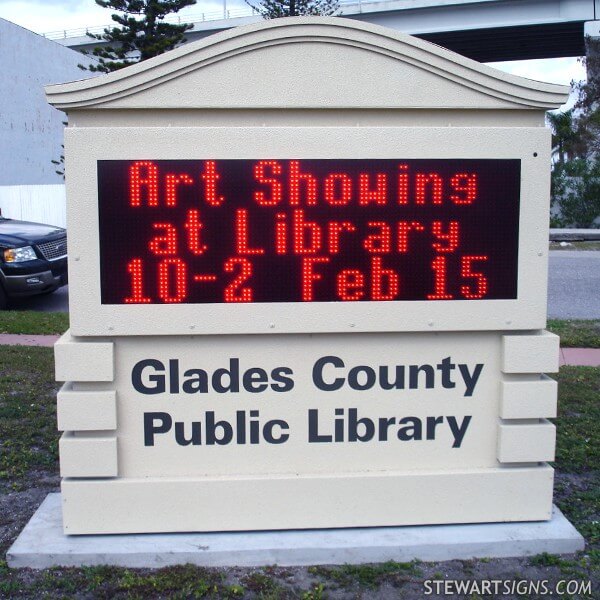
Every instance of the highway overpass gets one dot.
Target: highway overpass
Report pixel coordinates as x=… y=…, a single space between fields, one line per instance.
x=485 y=30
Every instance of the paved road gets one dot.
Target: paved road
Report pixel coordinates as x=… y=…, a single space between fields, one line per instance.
x=574 y=285
x=574 y=288
x=55 y=302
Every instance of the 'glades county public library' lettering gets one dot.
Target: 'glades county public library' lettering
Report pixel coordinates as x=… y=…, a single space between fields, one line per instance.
x=153 y=377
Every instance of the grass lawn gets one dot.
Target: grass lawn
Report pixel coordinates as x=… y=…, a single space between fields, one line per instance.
x=33 y=322
x=28 y=436
x=29 y=470
x=576 y=333
x=573 y=333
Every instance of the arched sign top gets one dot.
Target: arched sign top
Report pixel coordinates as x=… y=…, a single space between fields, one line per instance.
x=299 y=63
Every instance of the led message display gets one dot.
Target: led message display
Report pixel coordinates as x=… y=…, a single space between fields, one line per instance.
x=328 y=230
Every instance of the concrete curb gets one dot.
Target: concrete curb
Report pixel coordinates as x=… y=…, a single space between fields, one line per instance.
x=42 y=544
x=19 y=339
x=574 y=235
x=580 y=357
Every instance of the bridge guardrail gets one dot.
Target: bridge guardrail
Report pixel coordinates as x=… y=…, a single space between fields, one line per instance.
x=178 y=19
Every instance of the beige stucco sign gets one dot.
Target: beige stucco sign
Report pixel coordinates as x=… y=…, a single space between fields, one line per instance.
x=308 y=272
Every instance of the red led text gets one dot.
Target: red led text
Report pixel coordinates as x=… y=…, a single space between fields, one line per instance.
x=295 y=230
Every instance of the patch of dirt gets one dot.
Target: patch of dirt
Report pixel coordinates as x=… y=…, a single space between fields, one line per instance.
x=18 y=505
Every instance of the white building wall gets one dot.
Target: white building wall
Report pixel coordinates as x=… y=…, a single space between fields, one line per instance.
x=31 y=131
x=37 y=203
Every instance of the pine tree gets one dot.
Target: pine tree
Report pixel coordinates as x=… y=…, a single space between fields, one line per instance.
x=273 y=9
x=142 y=32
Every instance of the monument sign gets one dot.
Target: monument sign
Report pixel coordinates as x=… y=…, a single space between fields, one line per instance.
x=308 y=272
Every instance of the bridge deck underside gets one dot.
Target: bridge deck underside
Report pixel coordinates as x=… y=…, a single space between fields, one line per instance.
x=552 y=40
x=514 y=43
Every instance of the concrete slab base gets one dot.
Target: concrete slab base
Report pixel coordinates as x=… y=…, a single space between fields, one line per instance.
x=42 y=544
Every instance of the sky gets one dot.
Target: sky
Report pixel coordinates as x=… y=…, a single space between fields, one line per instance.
x=45 y=16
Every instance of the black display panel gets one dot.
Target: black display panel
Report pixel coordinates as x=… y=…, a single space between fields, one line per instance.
x=214 y=231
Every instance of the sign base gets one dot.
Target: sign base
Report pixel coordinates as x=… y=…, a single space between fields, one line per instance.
x=280 y=502
x=42 y=544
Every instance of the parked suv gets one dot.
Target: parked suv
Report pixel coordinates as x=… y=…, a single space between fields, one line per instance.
x=33 y=259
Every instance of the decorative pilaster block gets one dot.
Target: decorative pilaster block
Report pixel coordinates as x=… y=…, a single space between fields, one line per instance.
x=526 y=442
x=86 y=410
x=79 y=360
x=528 y=398
x=537 y=353
x=88 y=456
